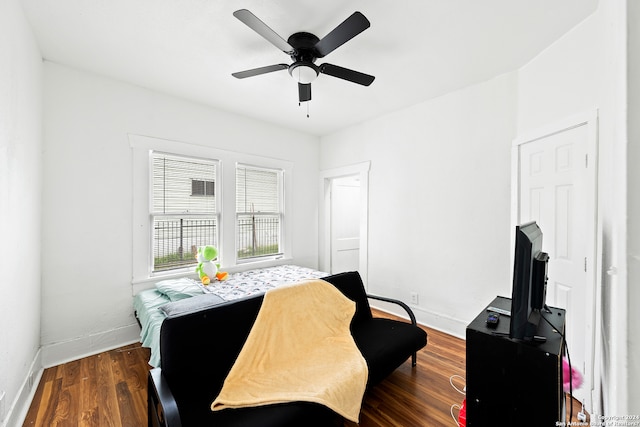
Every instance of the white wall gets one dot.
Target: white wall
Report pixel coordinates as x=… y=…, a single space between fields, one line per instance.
x=20 y=205
x=439 y=200
x=562 y=80
x=87 y=203
x=581 y=71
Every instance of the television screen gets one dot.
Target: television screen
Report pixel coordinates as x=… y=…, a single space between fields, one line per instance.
x=529 y=282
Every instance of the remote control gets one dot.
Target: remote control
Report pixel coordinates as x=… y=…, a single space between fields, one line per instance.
x=499 y=311
x=492 y=320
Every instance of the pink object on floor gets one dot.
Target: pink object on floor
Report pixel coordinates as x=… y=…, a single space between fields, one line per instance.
x=575 y=376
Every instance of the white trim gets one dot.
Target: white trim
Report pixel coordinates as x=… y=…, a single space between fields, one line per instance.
x=617 y=383
x=586 y=118
x=62 y=352
x=326 y=176
x=19 y=408
x=594 y=250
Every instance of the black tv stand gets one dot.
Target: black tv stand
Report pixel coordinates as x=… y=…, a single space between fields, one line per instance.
x=513 y=382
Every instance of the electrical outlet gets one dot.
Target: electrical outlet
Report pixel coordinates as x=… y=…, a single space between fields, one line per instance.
x=414 y=298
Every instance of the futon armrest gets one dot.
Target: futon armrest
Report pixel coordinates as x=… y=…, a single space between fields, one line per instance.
x=412 y=316
x=162 y=407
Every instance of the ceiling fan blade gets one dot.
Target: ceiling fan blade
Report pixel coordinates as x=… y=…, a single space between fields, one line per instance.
x=350 y=27
x=347 y=74
x=258 y=71
x=304 y=92
x=253 y=22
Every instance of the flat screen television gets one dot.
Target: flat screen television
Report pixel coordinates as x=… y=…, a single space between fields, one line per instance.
x=529 y=282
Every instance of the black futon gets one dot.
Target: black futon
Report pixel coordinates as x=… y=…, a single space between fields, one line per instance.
x=198 y=349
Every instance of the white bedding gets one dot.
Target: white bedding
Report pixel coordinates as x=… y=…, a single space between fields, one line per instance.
x=252 y=282
x=238 y=285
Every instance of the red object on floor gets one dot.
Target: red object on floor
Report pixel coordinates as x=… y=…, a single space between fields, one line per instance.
x=462 y=417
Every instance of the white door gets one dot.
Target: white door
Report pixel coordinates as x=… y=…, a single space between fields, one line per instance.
x=345 y=224
x=554 y=191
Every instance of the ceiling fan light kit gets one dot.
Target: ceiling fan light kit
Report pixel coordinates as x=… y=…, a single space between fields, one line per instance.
x=304 y=49
x=304 y=72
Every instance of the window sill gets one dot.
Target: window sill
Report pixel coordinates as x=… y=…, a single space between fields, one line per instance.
x=251 y=264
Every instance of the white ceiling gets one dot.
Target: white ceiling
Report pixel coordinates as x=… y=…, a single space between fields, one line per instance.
x=417 y=49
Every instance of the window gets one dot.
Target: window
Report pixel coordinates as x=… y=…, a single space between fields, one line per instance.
x=180 y=222
x=259 y=212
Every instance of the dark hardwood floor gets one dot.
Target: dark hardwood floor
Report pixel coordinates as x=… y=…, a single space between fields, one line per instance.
x=108 y=389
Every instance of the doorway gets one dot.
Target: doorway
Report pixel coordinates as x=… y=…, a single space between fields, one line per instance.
x=343 y=219
x=554 y=180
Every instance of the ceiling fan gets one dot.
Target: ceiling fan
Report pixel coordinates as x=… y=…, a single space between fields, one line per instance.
x=305 y=48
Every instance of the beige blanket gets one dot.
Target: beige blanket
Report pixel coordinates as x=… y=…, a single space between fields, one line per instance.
x=299 y=349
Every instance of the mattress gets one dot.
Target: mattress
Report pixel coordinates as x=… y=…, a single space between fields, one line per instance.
x=148 y=304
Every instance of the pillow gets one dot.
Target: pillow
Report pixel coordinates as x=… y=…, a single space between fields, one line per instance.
x=178 y=289
x=190 y=305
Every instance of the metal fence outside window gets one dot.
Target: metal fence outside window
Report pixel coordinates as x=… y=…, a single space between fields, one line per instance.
x=175 y=241
x=258 y=235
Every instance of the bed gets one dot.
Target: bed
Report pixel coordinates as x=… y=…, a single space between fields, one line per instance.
x=174 y=296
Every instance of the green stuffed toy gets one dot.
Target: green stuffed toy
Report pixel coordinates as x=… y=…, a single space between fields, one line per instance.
x=208 y=270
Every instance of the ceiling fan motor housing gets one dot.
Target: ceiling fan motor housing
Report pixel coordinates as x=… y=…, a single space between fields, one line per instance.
x=304 y=55
x=304 y=45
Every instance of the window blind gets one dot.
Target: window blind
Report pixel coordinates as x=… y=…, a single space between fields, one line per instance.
x=257 y=190
x=183 y=185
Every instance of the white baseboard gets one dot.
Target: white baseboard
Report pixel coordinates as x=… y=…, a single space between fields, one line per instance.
x=20 y=406
x=430 y=319
x=63 y=352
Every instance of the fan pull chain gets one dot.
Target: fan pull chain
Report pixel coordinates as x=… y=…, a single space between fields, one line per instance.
x=306 y=102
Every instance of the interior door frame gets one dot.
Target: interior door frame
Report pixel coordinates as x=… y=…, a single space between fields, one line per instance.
x=594 y=252
x=362 y=171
